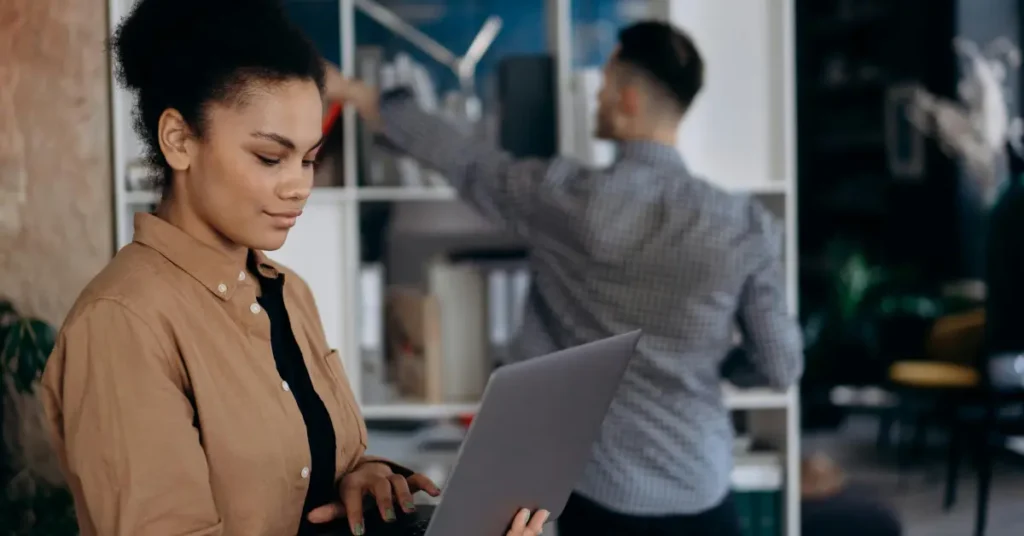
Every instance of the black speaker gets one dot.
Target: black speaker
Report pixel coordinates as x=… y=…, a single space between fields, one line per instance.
x=527 y=94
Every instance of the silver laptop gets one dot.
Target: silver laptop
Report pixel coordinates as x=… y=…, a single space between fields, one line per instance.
x=532 y=437
x=528 y=444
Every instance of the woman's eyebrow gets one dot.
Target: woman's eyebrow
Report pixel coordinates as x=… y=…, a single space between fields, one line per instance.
x=284 y=141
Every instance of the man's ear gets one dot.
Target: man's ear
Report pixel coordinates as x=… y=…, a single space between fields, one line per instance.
x=174 y=134
x=630 y=99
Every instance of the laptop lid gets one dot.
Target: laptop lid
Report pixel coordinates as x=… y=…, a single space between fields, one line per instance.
x=532 y=436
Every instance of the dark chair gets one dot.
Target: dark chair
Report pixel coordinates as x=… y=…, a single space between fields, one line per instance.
x=932 y=387
x=984 y=424
x=1002 y=380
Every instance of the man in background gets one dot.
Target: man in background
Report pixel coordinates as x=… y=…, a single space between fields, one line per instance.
x=641 y=244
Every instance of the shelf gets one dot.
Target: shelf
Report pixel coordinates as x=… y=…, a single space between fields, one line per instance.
x=735 y=399
x=319 y=195
x=406 y=193
x=765 y=187
x=446 y=193
x=330 y=194
x=755 y=399
x=143 y=197
x=416 y=410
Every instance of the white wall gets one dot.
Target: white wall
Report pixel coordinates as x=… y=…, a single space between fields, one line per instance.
x=735 y=133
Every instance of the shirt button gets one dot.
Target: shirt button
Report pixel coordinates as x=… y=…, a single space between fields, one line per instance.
x=305 y=472
x=241 y=276
x=222 y=288
x=285 y=386
x=255 y=308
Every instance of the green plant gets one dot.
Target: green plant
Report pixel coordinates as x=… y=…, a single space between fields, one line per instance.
x=25 y=345
x=866 y=314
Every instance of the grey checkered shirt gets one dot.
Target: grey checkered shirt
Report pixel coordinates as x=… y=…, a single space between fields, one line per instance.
x=641 y=244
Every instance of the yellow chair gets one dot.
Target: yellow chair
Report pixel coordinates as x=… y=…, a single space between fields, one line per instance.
x=951 y=355
x=935 y=385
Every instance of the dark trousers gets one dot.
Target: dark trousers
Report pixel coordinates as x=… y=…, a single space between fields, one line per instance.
x=583 y=517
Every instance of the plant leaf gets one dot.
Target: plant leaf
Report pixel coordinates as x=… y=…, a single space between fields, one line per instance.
x=26 y=347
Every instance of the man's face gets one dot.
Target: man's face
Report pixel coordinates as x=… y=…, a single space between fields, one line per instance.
x=608 y=98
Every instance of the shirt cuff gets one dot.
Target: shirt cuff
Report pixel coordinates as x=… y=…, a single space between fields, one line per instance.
x=396 y=106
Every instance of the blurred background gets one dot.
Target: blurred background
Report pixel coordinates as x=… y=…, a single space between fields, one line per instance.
x=880 y=132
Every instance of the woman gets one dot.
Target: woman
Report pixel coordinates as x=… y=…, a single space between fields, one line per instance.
x=192 y=390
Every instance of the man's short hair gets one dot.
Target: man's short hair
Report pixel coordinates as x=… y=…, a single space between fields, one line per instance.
x=667 y=55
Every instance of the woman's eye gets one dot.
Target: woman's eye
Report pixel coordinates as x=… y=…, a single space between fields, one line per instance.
x=268 y=161
x=308 y=163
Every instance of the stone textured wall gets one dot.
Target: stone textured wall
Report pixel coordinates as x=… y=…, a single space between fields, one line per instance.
x=56 y=227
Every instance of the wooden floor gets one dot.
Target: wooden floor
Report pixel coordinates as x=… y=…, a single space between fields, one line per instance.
x=919 y=501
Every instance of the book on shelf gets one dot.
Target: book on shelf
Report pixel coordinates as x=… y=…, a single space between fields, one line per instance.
x=757 y=487
x=441 y=344
x=414 y=345
x=373 y=379
x=507 y=287
x=460 y=291
x=376 y=167
x=384 y=168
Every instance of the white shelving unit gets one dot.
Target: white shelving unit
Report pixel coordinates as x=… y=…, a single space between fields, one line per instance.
x=741 y=128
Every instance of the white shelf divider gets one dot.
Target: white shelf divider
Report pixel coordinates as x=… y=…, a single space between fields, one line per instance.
x=400 y=193
x=735 y=399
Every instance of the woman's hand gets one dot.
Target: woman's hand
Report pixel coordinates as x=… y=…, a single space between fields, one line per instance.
x=525 y=524
x=387 y=488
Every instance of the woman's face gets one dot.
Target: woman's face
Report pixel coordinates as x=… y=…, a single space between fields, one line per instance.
x=248 y=177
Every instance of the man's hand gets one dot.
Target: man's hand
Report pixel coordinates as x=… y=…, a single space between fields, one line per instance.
x=365 y=99
x=386 y=487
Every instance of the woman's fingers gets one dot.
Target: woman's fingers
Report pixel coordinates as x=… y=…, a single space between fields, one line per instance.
x=352 y=499
x=419 y=482
x=527 y=524
x=326 y=513
x=402 y=493
x=519 y=522
x=381 y=491
x=537 y=521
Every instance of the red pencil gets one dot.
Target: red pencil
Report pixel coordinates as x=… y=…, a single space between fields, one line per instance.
x=333 y=112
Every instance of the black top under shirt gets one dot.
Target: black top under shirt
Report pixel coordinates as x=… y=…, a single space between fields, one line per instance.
x=292 y=368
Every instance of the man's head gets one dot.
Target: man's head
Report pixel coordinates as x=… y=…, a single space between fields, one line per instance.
x=649 y=82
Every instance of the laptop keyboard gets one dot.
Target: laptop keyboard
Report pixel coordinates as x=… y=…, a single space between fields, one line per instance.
x=419 y=528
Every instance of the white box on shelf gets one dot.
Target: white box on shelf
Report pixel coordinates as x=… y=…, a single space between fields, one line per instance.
x=460 y=290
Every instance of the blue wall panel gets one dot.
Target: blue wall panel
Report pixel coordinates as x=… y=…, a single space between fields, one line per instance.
x=454 y=23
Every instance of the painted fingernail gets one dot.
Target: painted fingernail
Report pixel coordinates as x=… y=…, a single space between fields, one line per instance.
x=409 y=506
x=389 y=514
x=359 y=530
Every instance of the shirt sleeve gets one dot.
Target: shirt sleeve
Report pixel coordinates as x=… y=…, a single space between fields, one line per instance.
x=771 y=335
x=519 y=194
x=124 y=428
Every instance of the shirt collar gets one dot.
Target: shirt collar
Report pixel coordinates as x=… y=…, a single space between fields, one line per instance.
x=649 y=152
x=218 y=272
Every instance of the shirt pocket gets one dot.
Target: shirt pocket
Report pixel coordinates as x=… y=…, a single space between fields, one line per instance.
x=340 y=386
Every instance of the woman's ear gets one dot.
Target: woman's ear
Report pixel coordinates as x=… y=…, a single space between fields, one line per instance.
x=174 y=134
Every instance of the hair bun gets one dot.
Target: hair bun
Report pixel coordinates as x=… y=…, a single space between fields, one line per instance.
x=162 y=38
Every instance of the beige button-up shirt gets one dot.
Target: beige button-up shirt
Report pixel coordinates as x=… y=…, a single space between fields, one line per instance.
x=166 y=406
